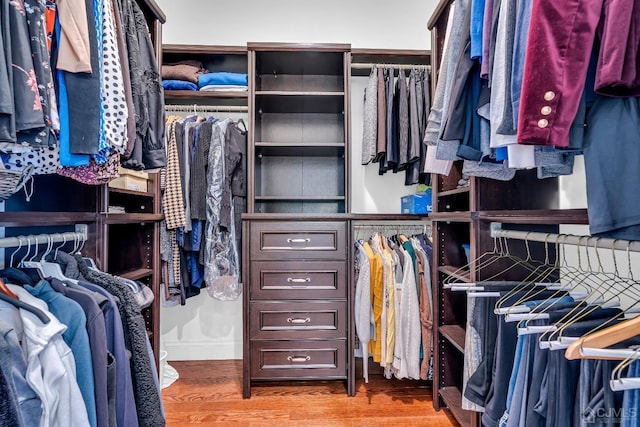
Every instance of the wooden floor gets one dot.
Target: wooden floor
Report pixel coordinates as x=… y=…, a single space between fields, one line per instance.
x=210 y=393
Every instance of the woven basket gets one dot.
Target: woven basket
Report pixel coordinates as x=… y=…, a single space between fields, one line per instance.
x=12 y=181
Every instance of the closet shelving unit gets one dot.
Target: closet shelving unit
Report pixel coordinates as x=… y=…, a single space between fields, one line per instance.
x=295 y=264
x=464 y=216
x=124 y=244
x=299 y=98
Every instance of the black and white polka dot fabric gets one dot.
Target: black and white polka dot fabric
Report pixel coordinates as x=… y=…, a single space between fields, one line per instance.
x=112 y=84
x=45 y=160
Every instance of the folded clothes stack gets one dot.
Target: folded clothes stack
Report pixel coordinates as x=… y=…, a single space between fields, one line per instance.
x=191 y=75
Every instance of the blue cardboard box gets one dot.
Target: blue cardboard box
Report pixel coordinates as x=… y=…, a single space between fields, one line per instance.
x=419 y=203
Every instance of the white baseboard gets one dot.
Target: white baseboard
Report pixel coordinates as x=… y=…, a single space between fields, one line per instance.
x=198 y=350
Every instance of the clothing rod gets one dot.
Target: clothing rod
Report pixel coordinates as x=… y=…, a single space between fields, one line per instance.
x=368 y=66
x=80 y=235
x=207 y=108
x=565 y=239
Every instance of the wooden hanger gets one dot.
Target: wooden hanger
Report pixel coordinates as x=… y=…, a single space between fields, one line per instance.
x=603 y=339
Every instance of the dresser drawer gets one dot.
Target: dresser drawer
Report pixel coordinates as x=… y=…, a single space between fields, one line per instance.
x=298 y=359
x=298 y=320
x=298 y=279
x=278 y=240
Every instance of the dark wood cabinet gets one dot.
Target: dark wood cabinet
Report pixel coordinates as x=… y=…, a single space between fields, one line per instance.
x=295 y=300
x=295 y=264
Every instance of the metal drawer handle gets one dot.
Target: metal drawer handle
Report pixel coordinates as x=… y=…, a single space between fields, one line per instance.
x=307 y=240
x=298 y=359
x=296 y=280
x=298 y=320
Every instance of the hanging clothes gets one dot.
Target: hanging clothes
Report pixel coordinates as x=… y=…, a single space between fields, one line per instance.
x=66 y=101
x=394 y=120
x=392 y=306
x=204 y=198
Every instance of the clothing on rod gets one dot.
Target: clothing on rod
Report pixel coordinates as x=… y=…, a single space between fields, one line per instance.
x=90 y=362
x=204 y=198
x=393 y=305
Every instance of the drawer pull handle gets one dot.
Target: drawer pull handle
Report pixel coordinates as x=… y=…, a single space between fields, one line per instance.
x=298 y=359
x=296 y=280
x=307 y=240
x=298 y=320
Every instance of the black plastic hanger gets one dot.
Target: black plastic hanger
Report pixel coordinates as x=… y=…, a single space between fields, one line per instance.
x=31 y=309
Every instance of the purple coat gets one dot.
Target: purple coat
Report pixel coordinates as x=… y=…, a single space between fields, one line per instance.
x=561 y=36
x=618 y=70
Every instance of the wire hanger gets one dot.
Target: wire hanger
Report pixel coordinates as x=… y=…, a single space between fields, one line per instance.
x=620 y=383
x=594 y=345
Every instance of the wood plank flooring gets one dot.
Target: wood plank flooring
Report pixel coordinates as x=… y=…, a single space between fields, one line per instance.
x=210 y=393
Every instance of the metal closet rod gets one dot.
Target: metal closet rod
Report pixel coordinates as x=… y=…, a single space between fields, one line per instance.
x=207 y=108
x=368 y=66
x=565 y=239
x=390 y=226
x=424 y=228
x=80 y=235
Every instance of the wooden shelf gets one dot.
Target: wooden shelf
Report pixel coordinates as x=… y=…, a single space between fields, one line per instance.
x=297 y=145
x=34 y=219
x=390 y=53
x=136 y=274
x=451 y=216
x=455 y=334
x=131 y=218
x=206 y=94
x=200 y=49
x=461 y=190
x=321 y=150
x=295 y=47
x=298 y=198
x=536 y=216
x=297 y=93
x=455 y=273
x=131 y=192
x=452 y=398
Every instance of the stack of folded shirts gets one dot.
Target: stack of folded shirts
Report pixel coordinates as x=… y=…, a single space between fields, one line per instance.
x=223 y=81
x=182 y=75
x=191 y=75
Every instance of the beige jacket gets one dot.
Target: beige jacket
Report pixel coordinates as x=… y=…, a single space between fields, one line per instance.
x=74 y=53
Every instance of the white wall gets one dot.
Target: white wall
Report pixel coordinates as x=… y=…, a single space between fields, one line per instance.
x=363 y=23
x=210 y=329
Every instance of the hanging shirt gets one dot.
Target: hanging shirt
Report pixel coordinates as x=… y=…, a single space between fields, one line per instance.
x=362 y=305
x=51 y=370
x=72 y=316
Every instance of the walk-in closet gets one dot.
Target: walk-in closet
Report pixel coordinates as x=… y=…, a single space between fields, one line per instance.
x=319 y=213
